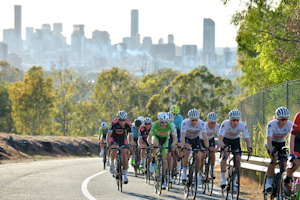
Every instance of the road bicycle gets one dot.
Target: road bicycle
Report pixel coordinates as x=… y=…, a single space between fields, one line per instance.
x=190 y=185
x=146 y=169
x=231 y=170
x=118 y=171
x=104 y=155
x=208 y=174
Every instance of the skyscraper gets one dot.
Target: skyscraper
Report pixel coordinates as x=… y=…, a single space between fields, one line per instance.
x=29 y=33
x=208 y=36
x=147 y=44
x=170 y=39
x=57 y=28
x=18 y=27
x=77 y=41
x=3 y=51
x=134 y=22
x=209 y=56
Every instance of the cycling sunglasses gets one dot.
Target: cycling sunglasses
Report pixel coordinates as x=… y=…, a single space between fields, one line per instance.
x=283 y=120
x=122 y=120
x=147 y=123
x=164 y=122
x=235 y=120
x=214 y=123
x=193 y=120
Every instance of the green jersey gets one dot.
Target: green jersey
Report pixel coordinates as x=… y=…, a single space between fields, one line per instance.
x=162 y=132
x=102 y=132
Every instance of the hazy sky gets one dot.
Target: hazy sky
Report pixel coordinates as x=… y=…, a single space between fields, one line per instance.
x=157 y=18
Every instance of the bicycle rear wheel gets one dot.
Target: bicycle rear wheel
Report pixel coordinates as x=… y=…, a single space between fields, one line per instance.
x=104 y=157
x=194 y=184
x=235 y=194
x=210 y=178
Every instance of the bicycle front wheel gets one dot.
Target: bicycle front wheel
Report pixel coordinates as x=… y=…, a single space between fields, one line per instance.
x=210 y=178
x=159 y=171
x=280 y=193
x=194 y=180
x=104 y=157
x=235 y=184
x=168 y=172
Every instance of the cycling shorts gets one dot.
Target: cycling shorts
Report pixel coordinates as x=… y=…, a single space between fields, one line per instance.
x=119 y=140
x=195 y=143
x=162 y=141
x=235 y=144
x=278 y=146
x=211 y=143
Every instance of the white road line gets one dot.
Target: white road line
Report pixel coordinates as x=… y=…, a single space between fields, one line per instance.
x=85 y=184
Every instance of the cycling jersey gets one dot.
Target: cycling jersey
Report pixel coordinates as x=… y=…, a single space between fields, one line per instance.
x=192 y=132
x=278 y=134
x=143 y=133
x=102 y=132
x=118 y=135
x=296 y=125
x=178 y=121
x=135 y=133
x=211 y=132
x=162 y=135
x=233 y=133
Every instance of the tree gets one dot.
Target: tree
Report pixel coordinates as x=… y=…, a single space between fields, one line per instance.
x=268 y=42
x=32 y=101
x=6 y=123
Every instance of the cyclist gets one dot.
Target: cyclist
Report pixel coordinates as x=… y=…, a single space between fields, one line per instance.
x=117 y=137
x=276 y=131
x=159 y=136
x=212 y=128
x=170 y=159
x=230 y=135
x=177 y=121
x=190 y=130
x=133 y=137
x=102 y=136
x=143 y=135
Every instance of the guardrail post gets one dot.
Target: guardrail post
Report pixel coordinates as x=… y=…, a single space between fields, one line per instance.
x=287 y=94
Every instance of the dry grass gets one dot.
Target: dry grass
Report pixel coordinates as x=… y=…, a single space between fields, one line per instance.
x=249 y=189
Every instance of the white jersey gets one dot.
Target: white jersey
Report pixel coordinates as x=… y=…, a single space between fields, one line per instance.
x=211 y=132
x=233 y=133
x=278 y=134
x=192 y=132
x=175 y=130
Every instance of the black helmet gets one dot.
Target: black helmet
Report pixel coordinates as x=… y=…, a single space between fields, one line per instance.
x=137 y=122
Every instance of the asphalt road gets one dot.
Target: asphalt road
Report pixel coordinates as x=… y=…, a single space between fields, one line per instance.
x=77 y=179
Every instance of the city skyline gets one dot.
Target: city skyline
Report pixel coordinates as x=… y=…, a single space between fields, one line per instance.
x=184 y=37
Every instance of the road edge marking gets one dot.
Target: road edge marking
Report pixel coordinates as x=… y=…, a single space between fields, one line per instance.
x=85 y=184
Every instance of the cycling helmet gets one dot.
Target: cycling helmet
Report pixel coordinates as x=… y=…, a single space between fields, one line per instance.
x=122 y=114
x=282 y=112
x=175 y=109
x=171 y=117
x=104 y=125
x=234 y=114
x=147 y=120
x=194 y=114
x=212 y=117
x=163 y=116
x=137 y=122
x=141 y=118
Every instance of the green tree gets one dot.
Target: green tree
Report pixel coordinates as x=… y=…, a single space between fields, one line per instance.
x=6 y=122
x=32 y=102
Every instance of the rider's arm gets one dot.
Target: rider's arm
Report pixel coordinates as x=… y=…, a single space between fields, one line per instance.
x=246 y=137
x=220 y=142
x=149 y=138
x=292 y=144
x=108 y=136
x=269 y=138
x=205 y=139
x=140 y=140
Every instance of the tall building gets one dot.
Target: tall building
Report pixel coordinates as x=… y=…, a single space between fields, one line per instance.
x=208 y=36
x=57 y=28
x=161 y=41
x=134 y=22
x=18 y=27
x=3 y=51
x=14 y=60
x=170 y=39
x=101 y=37
x=10 y=39
x=77 y=41
x=209 y=56
x=46 y=27
x=189 y=55
x=29 y=33
x=147 y=44
x=126 y=41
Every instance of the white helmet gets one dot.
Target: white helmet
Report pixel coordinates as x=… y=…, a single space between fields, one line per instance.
x=162 y=116
x=104 y=125
x=234 y=114
x=141 y=118
x=194 y=114
x=282 y=112
x=147 y=120
x=212 y=117
x=171 y=117
x=121 y=115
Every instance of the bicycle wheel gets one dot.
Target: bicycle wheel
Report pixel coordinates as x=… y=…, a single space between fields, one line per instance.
x=146 y=168
x=186 y=187
x=174 y=170
x=159 y=177
x=116 y=174
x=280 y=192
x=229 y=180
x=204 y=176
x=136 y=163
x=210 y=178
x=194 y=184
x=104 y=157
x=235 y=194
x=178 y=174
x=264 y=186
x=168 y=176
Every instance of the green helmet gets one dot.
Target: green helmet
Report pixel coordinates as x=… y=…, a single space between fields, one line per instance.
x=175 y=109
